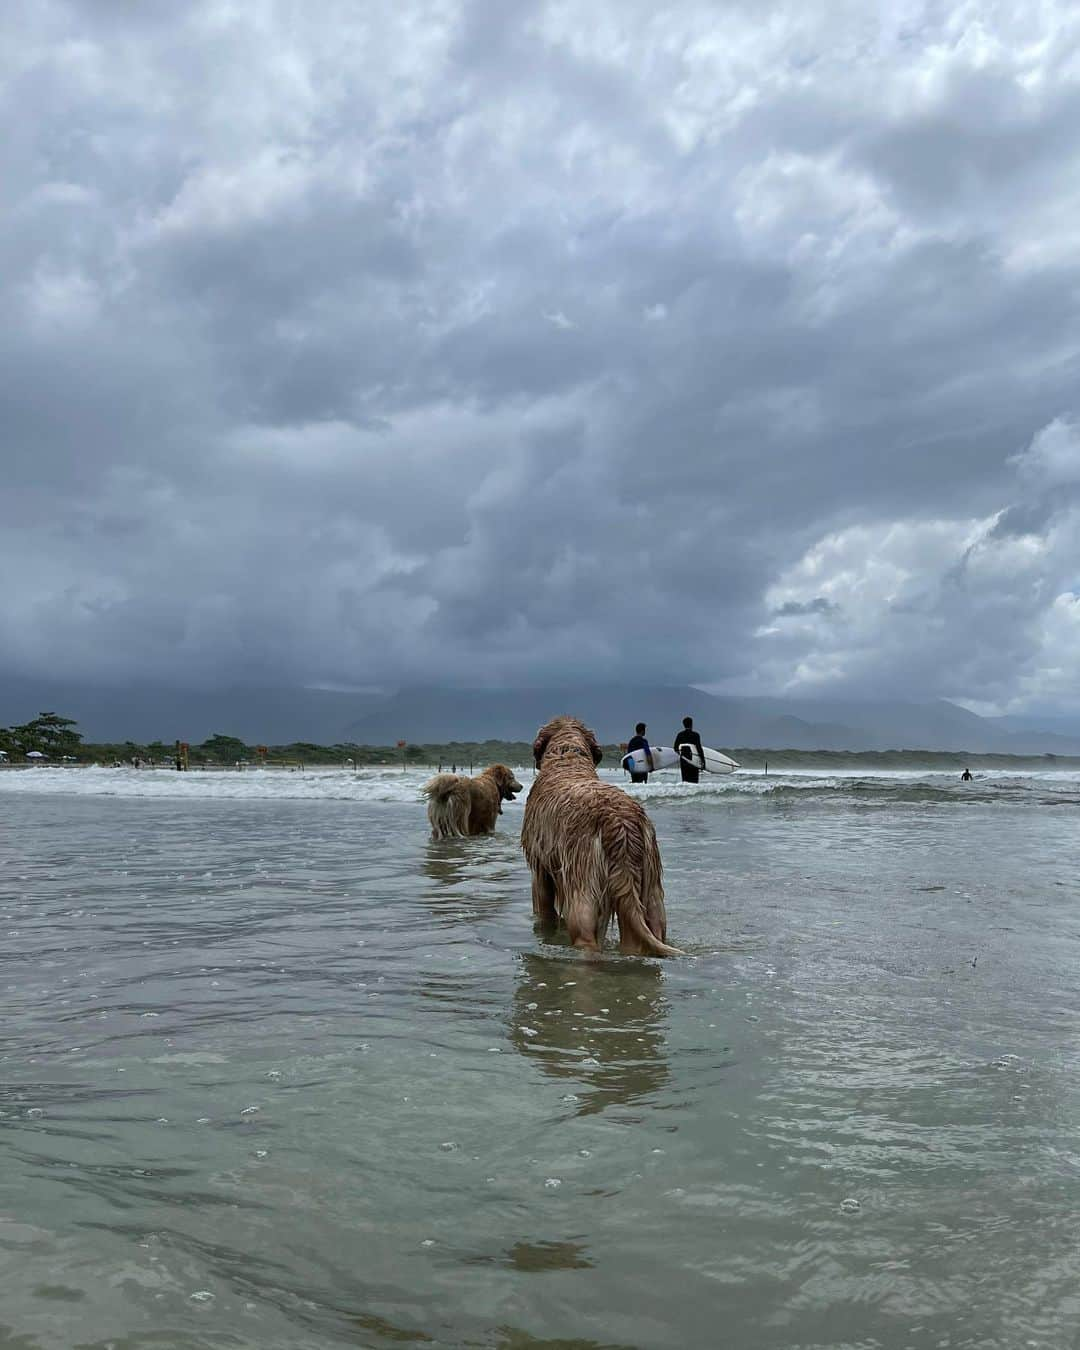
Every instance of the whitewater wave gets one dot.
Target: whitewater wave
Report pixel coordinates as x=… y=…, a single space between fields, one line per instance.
x=367 y=785
x=1043 y=787
x=880 y=787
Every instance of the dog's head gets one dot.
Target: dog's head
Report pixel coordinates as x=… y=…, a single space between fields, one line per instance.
x=505 y=782
x=564 y=736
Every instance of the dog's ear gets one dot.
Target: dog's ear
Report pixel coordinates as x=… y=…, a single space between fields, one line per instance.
x=540 y=745
x=594 y=746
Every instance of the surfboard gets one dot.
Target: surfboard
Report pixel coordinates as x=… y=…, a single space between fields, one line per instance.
x=663 y=757
x=715 y=762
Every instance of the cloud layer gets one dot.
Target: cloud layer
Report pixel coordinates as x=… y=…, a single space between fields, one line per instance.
x=451 y=340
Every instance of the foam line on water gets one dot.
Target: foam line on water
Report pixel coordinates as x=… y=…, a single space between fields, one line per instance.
x=392 y=785
x=370 y=785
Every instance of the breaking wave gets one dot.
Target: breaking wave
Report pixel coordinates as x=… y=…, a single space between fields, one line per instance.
x=373 y=785
x=1044 y=788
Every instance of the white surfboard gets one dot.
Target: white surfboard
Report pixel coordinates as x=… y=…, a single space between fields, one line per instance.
x=663 y=757
x=715 y=762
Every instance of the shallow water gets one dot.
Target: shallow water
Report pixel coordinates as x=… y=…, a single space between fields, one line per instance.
x=276 y=1071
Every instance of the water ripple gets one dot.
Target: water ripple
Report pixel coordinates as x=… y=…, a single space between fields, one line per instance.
x=281 y=1072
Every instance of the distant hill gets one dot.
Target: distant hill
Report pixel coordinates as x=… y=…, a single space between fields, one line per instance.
x=515 y=714
x=148 y=712
x=1062 y=724
x=275 y=716
x=434 y=715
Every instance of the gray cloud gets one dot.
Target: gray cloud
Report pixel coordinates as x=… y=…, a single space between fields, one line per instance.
x=794 y=608
x=469 y=341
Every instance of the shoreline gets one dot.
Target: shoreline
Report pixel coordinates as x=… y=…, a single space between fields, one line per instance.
x=475 y=756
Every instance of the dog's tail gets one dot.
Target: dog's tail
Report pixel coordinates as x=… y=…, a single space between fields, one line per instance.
x=448 y=805
x=634 y=893
x=649 y=938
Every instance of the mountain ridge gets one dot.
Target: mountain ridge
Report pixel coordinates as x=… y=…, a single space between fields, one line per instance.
x=434 y=715
x=430 y=714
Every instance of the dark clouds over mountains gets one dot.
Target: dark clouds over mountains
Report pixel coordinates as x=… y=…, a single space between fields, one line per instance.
x=480 y=343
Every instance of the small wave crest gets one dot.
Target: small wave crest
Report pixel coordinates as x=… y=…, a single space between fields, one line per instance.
x=365 y=785
x=882 y=788
x=374 y=785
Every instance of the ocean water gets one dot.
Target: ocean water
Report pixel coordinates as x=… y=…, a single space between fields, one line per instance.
x=276 y=1071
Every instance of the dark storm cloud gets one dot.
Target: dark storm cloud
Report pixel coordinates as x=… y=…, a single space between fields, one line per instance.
x=466 y=341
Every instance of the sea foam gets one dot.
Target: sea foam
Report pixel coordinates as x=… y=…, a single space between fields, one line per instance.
x=385 y=784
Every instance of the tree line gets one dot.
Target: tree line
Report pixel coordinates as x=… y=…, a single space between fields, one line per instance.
x=56 y=737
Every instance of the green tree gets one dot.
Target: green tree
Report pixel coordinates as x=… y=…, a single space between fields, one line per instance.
x=225 y=749
x=48 y=732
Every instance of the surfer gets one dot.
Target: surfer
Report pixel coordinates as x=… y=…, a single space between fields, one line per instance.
x=638 y=742
x=965 y=777
x=689 y=738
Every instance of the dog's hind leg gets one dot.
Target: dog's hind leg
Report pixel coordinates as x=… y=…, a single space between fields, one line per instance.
x=580 y=918
x=656 y=913
x=624 y=899
x=543 y=897
x=631 y=942
x=639 y=908
x=636 y=937
x=585 y=906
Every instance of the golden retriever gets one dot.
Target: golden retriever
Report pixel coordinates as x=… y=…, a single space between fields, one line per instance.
x=592 y=849
x=458 y=805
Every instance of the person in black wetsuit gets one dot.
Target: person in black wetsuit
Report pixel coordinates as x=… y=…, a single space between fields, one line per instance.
x=638 y=742
x=966 y=776
x=689 y=766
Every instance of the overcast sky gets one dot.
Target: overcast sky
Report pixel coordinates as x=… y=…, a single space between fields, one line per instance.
x=476 y=341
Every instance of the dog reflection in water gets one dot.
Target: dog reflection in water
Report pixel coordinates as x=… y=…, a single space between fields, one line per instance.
x=600 y=1027
x=471 y=881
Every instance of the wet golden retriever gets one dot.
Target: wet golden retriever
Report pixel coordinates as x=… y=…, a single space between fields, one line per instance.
x=459 y=806
x=592 y=849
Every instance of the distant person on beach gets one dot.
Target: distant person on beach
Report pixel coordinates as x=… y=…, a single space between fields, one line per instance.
x=965 y=777
x=689 y=737
x=638 y=742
